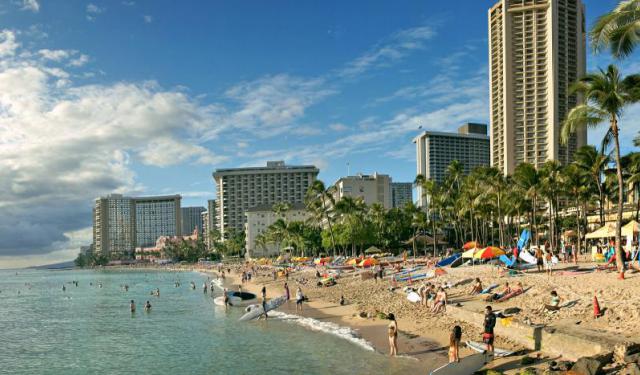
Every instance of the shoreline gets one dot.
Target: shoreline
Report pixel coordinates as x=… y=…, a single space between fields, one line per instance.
x=428 y=351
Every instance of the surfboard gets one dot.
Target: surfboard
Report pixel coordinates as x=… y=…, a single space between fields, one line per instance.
x=255 y=312
x=528 y=258
x=467 y=365
x=480 y=348
x=413 y=297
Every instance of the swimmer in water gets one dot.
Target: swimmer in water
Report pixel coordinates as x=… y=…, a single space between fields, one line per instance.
x=132 y=306
x=147 y=306
x=64 y=288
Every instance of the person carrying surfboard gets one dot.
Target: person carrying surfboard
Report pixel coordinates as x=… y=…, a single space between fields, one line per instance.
x=489 y=323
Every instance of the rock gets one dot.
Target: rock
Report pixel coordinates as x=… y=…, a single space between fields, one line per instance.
x=631 y=369
x=627 y=352
x=591 y=365
x=564 y=365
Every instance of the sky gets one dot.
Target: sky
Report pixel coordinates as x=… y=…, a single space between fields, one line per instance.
x=145 y=97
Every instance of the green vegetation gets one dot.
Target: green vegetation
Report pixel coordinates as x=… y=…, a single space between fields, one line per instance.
x=91 y=260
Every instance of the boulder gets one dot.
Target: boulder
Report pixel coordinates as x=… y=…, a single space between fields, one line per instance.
x=627 y=352
x=591 y=365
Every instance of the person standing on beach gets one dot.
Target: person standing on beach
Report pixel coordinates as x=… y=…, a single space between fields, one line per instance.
x=299 y=299
x=286 y=291
x=264 y=302
x=539 y=259
x=489 y=323
x=454 y=344
x=393 y=335
x=204 y=288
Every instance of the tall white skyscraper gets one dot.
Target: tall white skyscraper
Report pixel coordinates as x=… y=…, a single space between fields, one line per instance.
x=536 y=51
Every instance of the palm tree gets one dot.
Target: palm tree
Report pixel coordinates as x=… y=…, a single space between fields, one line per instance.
x=527 y=178
x=351 y=210
x=495 y=184
x=593 y=163
x=619 y=30
x=281 y=209
x=577 y=189
x=606 y=94
x=419 y=222
x=550 y=175
x=319 y=200
x=633 y=173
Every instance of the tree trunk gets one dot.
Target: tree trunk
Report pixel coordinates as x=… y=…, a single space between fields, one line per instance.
x=433 y=228
x=535 y=225
x=326 y=214
x=619 y=255
x=578 y=242
x=500 y=232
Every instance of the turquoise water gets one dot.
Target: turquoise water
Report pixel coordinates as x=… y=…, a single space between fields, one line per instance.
x=87 y=329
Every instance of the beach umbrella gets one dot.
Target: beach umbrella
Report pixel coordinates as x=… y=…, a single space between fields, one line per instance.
x=368 y=262
x=469 y=245
x=469 y=253
x=352 y=262
x=489 y=252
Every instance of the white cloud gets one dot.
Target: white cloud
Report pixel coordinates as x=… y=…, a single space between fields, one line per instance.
x=129 y=3
x=271 y=105
x=93 y=10
x=393 y=49
x=31 y=5
x=55 y=55
x=79 y=61
x=61 y=145
x=8 y=44
x=147 y=18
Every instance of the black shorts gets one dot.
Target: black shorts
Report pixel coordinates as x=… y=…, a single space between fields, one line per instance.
x=540 y=262
x=299 y=301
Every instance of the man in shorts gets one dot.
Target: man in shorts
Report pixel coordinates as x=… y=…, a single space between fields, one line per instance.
x=489 y=324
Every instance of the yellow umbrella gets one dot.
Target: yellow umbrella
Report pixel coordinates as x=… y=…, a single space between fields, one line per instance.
x=489 y=253
x=469 y=253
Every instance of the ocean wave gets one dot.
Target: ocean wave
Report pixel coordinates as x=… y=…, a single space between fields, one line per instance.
x=326 y=327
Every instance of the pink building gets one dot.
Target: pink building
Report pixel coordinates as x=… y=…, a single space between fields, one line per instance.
x=156 y=254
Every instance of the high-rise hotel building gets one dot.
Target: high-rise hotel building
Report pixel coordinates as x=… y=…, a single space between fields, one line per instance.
x=120 y=224
x=536 y=51
x=239 y=189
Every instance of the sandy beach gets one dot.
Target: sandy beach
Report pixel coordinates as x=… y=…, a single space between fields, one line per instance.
x=424 y=336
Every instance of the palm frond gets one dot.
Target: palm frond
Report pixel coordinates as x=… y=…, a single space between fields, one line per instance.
x=580 y=117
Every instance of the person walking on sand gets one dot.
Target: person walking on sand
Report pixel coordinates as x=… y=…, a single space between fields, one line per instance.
x=393 y=335
x=489 y=324
x=539 y=259
x=454 y=344
x=299 y=299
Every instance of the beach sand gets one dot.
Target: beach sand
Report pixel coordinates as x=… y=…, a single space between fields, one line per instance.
x=423 y=337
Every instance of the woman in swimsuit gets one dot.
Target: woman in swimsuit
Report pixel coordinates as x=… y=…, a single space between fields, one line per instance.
x=393 y=335
x=477 y=287
x=454 y=344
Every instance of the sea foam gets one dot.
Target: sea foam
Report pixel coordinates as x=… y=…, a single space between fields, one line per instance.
x=326 y=327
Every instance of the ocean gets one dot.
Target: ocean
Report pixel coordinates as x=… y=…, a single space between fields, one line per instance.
x=88 y=329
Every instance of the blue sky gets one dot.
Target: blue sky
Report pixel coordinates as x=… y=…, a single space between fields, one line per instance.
x=149 y=97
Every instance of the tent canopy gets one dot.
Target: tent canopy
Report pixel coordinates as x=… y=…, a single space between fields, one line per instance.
x=424 y=239
x=609 y=230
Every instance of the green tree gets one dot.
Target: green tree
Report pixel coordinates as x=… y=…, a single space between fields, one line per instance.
x=618 y=30
x=319 y=202
x=606 y=94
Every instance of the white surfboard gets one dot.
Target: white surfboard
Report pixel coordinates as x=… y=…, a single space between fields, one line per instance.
x=467 y=365
x=528 y=258
x=480 y=348
x=413 y=297
x=257 y=310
